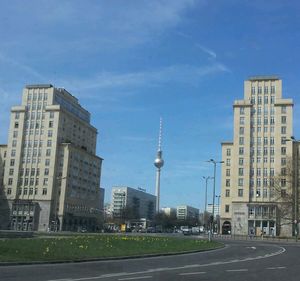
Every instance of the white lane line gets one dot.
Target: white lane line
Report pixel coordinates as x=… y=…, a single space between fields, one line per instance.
x=136 y=278
x=237 y=270
x=274 y=268
x=192 y=273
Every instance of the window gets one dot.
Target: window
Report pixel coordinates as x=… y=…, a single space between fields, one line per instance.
x=228 y=151
x=272 y=89
x=283 y=171
x=283 y=150
x=228 y=172
x=272 y=140
x=283 y=140
x=272 y=152
x=241 y=171
x=283 y=182
x=258 y=121
x=44 y=191
x=226 y=208
x=241 y=151
x=227 y=182
x=15 y=134
x=12 y=162
x=272 y=99
x=242 y=110
x=11 y=172
x=227 y=162
x=242 y=120
x=241 y=161
x=240 y=192
x=46 y=172
x=48 y=152
x=259 y=110
x=45 y=181
x=16 y=125
x=50 y=133
x=259 y=100
x=283 y=161
x=51 y=115
x=258 y=172
x=50 y=124
x=283 y=109
x=49 y=143
x=241 y=141
x=227 y=193
x=259 y=90
x=265 y=121
x=258 y=182
x=14 y=143
x=241 y=182
x=10 y=181
x=265 y=140
x=8 y=191
x=13 y=153
x=283 y=193
x=241 y=130
x=47 y=162
x=258 y=193
x=272 y=120
x=283 y=119
x=266 y=90
x=252 y=90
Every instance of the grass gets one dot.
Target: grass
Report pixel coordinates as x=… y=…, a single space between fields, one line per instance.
x=99 y=246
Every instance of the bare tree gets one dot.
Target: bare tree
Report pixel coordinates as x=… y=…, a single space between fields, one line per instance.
x=284 y=192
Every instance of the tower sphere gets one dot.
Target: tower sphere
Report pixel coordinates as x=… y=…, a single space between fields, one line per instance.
x=158 y=162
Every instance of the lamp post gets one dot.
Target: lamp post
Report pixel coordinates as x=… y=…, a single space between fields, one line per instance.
x=206 y=180
x=218 y=221
x=214 y=189
x=295 y=183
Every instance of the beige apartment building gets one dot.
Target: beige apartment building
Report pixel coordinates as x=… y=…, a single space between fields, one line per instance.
x=253 y=161
x=52 y=174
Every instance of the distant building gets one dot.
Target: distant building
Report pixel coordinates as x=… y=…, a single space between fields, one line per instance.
x=169 y=211
x=209 y=209
x=52 y=173
x=132 y=203
x=185 y=212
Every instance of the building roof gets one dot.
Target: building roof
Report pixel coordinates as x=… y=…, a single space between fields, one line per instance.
x=36 y=86
x=263 y=77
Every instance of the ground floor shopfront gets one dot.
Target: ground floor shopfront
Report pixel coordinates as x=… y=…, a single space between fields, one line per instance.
x=254 y=219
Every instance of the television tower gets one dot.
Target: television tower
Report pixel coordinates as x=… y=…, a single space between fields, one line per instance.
x=158 y=163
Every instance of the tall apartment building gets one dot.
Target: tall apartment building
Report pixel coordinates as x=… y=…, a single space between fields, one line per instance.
x=136 y=203
x=52 y=174
x=258 y=154
x=185 y=212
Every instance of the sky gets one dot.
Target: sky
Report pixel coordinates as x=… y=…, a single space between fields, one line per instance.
x=131 y=62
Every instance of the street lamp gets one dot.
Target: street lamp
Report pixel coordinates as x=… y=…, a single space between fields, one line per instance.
x=206 y=180
x=295 y=184
x=218 y=221
x=214 y=189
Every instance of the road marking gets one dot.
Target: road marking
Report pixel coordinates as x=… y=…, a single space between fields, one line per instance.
x=280 y=251
x=274 y=268
x=192 y=273
x=237 y=270
x=136 y=278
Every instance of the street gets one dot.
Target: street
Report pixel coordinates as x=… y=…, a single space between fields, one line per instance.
x=239 y=260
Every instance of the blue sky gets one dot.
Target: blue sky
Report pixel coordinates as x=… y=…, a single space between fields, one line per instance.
x=130 y=62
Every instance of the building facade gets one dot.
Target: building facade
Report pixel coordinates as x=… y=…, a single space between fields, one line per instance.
x=185 y=212
x=216 y=212
x=130 y=203
x=52 y=174
x=254 y=160
x=169 y=211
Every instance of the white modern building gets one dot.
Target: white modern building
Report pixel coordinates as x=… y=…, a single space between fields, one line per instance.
x=130 y=203
x=52 y=173
x=209 y=209
x=169 y=211
x=185 y=212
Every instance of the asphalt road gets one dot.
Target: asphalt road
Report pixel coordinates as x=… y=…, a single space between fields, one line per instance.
x=239 y=260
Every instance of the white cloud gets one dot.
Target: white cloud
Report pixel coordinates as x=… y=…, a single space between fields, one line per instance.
x=175 y=73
